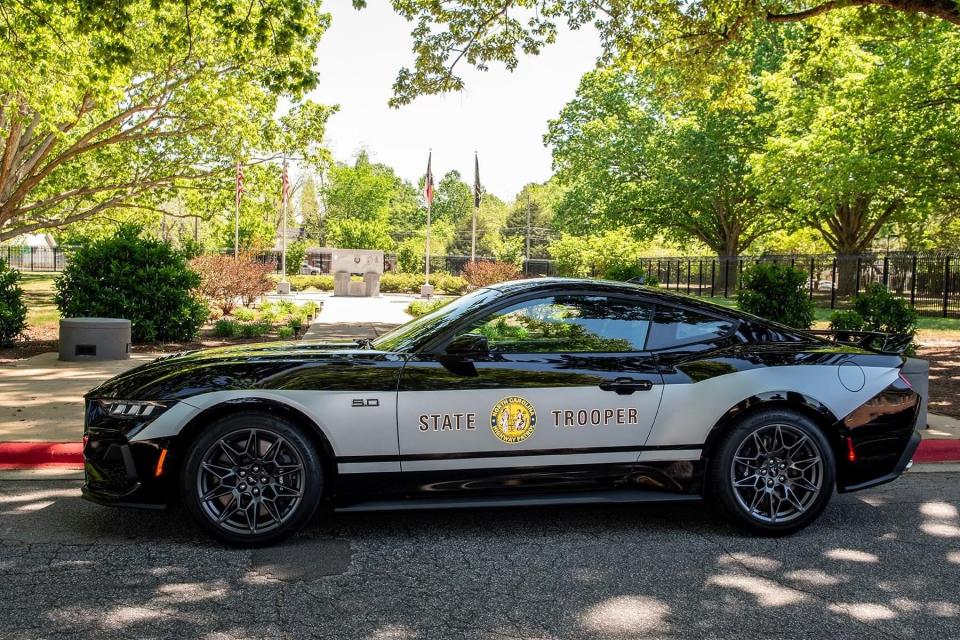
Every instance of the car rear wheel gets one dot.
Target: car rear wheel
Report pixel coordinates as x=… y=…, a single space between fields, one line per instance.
x=252 y=478
x=773 y=473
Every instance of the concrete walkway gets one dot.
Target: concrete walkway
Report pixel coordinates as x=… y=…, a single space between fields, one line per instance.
x=358 y=317
x=41 y=398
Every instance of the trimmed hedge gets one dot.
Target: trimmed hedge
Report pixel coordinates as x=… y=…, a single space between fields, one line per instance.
x=140 y=279
x=389 y=283
x=777 y=292
x=13 y=312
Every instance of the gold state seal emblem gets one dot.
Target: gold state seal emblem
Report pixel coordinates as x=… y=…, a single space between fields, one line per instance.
x=513 y=419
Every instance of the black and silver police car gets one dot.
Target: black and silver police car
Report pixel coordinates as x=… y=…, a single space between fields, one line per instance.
x=546 y=391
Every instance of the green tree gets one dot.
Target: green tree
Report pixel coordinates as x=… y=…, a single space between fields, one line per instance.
x=452 y=200
x=541 y=200
x=866 y=130
x=627 y=161
x=310 y=211
x=358 y=199
x=491 y=217
x=109 y=120
x=685 y=37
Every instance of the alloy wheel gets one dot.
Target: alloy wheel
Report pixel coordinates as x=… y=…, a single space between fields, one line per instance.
x=777 y=473
x=250 y=481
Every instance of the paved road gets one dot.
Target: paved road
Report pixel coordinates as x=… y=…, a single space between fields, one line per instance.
x=884 y=563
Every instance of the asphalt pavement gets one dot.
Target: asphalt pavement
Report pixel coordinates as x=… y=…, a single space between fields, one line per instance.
x=883 y=563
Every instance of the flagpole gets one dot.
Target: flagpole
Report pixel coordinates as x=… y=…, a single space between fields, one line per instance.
x=236 y=218
x=426 y=291
x=429 y=208
x=285 y=182
x=476 y=206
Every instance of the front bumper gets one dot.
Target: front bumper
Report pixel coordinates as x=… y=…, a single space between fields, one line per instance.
x=121 y=472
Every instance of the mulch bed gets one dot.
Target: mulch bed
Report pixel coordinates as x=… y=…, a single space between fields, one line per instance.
x=944 y=360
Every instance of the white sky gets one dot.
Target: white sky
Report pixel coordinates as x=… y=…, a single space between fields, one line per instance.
x=501 y=115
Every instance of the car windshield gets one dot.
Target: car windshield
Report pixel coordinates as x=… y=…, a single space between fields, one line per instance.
x=407 y=337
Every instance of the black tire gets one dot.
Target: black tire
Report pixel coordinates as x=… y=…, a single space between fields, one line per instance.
x=771 y=494
x=274 y=476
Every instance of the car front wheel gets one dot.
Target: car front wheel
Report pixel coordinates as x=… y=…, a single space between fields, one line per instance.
x=252 y=479
x=773 y=473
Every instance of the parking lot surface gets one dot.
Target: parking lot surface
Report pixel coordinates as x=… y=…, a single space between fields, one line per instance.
x=884 y=563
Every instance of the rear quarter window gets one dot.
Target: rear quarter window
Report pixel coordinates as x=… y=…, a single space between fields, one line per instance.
x=673 y=326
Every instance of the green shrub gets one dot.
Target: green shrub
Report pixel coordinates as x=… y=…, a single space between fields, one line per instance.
x=285 y=333
x=13 y=312
x=243 y=314
x=623 y=271
x=848 y=320
x=319 y=282
x=419 y=308
x=296 y=252
x=225 y=328
x=141 y=279
x=310 y=308
x=401 y=282
x=269 y=316
x=295 y=323
x=778 y=293
x=253 y=329
x=882 y=311
x=447 y=283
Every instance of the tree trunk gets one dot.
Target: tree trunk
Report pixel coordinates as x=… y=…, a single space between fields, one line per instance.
x=728 y=266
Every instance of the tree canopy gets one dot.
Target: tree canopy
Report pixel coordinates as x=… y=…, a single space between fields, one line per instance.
x=126 y=103
x=683 y=36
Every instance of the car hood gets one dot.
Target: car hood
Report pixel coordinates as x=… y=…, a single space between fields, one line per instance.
x=301 y=365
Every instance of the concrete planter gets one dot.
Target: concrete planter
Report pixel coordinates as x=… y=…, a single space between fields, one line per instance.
x=917 y=371
x=94 y=339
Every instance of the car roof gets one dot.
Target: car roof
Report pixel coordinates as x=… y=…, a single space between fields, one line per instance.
x=609 y=286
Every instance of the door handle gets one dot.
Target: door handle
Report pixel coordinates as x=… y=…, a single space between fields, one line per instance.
x=626 y=386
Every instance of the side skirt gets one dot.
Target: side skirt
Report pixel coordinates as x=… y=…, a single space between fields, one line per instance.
x=621 y=496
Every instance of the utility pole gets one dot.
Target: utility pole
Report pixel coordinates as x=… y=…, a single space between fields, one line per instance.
x=526 y=264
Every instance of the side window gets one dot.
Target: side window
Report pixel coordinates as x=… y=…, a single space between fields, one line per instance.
x=567 y=323
x=672 y=326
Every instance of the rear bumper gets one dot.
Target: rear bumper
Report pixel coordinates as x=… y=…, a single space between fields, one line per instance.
x=878 y=439
x=902 y=464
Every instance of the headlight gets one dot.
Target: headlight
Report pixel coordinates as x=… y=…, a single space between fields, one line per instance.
x=132 y=408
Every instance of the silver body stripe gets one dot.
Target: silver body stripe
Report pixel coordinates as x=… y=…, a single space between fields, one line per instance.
x=691 y=410
x=684 y=416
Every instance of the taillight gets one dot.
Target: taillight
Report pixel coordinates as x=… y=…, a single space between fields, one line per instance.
x=851 y=451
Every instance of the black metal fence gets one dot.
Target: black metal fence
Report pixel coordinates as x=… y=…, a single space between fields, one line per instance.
x=929 y=282
x=34 y=258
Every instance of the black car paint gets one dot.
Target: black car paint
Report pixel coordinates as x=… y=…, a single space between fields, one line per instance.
x=751 y=344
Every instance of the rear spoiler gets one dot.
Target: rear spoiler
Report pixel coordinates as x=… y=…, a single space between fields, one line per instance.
x=890 y=343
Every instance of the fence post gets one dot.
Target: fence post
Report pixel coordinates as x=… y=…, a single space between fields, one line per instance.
x=688 y=276
x=833 y=284
x=886 y=270
x=726 y=276
x=946 y=284
x=856 y=287
x=32 y=252
x=713 y=278
x=810 y=284
x=913 y=279
x=700 y=277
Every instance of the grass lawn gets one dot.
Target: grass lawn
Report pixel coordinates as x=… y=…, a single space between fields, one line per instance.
x=42 y=315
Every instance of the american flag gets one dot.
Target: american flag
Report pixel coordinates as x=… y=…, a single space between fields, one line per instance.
x=285 y=193
x=240 y=188
x=428 y=182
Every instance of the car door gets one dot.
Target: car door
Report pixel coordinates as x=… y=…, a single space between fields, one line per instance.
x=528 y=394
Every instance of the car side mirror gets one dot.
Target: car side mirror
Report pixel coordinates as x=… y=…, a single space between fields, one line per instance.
x=469 y=343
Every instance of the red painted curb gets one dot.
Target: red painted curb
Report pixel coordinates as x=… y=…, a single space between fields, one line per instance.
x=40 y=455
x=934 y=451
x=69 y=455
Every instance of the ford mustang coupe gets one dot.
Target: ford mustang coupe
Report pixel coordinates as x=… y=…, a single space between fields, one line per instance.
x=546 y=391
